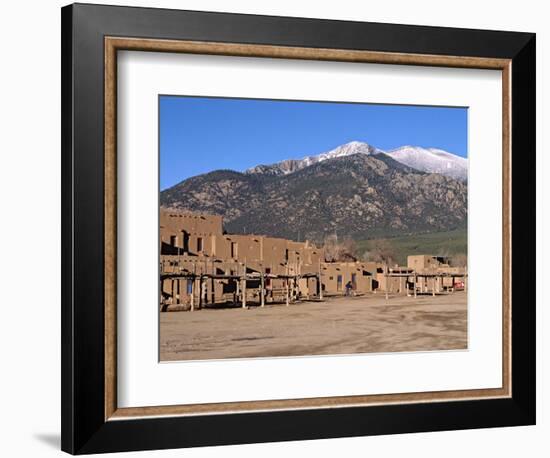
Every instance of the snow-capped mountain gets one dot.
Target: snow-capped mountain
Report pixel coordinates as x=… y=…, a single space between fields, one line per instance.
x=432 y=160
x=292 y=165
x=345 y=150
x=359 y=194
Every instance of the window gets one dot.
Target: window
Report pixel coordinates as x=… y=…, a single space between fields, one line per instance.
x=199 y=244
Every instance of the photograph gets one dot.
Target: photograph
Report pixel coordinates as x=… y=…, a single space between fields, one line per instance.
x=304 y=228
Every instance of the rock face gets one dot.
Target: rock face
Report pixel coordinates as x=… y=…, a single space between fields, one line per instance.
x=357 y=195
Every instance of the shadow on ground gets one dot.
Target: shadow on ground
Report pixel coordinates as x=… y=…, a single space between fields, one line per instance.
x=51 y=439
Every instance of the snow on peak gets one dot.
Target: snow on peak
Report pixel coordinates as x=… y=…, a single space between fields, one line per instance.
x=292 y=165
x=347 y=149
x=431 y=160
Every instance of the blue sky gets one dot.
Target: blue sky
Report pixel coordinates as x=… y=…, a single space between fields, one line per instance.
x=201 y=134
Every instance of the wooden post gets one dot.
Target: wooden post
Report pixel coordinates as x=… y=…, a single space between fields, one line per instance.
x=433 y=286
x=181 y=289
x=320 y=282
x=237 y=289
x=172 y=291
x=200 y=291
x=194 y=286
x=213 y=290
x=204 y=289
x=244 y=285
x=287 y=284
x=244 y=293
x=262 y=289
x=414 y=285
x=207 y=290
x=386 y=282
x=192 y=294
x=287 y=292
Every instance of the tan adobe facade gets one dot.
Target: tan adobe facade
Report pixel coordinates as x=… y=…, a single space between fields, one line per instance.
x=200 y=266
x=336 y=275
x=433 y=273
x=424 y=262
x=198 y=236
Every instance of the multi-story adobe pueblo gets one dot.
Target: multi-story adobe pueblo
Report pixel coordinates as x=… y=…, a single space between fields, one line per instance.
x=201 y=265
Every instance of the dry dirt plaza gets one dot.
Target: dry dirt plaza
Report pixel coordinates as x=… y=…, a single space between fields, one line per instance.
x=339 y=325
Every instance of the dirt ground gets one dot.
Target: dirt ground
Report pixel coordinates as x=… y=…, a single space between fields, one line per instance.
x=342 y=325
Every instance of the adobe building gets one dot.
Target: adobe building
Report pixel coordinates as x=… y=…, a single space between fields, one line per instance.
x=394 y=280
x=187 y=233
x=422 y=262
x=200 y=265
x=336 y=275
x=435 y=274
x=424 y=274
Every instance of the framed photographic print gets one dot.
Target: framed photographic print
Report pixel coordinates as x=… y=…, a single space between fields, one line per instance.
x=271 y=222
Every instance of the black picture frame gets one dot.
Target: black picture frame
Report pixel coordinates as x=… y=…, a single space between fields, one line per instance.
x=84 y=428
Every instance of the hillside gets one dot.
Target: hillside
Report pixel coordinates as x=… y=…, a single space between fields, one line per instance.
x=447 y=243
x=356 y=195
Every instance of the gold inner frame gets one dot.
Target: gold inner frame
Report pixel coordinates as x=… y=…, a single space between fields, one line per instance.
x=114 y=44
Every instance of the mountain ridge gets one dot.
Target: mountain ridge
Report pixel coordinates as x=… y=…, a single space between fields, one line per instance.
x=432 y=160
x=356 y=195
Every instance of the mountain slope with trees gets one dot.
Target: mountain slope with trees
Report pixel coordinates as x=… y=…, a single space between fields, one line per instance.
x=359 y=196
